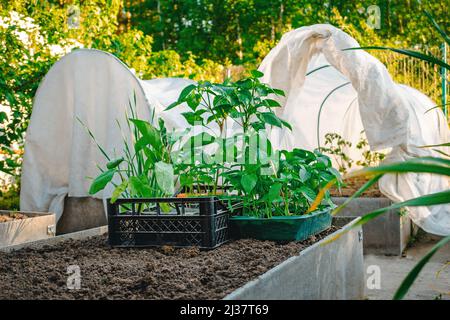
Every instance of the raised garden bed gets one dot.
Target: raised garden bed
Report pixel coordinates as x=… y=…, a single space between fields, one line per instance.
x=185 y=273
x=22 y=227
x=388 y=234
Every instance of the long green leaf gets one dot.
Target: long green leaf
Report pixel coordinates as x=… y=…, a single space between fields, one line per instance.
x=442 y=153
x=101 y=181
x=93 y=139
x=366 y=186
x=317 y=69
x=150 y=135
x=410 y=53
x=412 y=275
x=447 y=144
x=321 y=107
x=437 y=198
x=118 y=191
x=418 y=165
x=115 y=163
x=437 y=27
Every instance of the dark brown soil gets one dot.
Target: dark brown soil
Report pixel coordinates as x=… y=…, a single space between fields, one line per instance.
x=163 y=273
x=352 y=185
x=5 y=217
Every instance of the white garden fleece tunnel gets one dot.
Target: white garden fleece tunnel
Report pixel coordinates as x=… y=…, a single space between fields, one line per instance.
x=309 y=63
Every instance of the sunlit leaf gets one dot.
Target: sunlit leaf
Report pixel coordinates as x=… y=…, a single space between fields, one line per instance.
x=101 y=181
x=413 y=274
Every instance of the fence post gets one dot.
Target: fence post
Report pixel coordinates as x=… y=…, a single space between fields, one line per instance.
x=444 y=80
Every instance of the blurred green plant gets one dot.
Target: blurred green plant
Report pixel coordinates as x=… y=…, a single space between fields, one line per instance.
x=433 y=165
x=336 y=147
x=34 y=35
x=145 y=170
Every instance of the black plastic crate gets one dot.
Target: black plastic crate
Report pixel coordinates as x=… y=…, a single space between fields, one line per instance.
x=178 y=222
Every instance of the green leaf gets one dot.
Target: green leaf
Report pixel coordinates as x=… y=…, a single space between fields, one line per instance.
x=193 y=101
x=427 y=200
x=248 y=182
x=442 y=153
x=447 y=144
x=140 y=188
x=317 y=69
x=150 y=135
x=165 y=177
x=412 y=275
x=366 y=186
x=173 y=105
x=115 y=163
x=256 y=74
x=308 y=193
x=270 y=103
x=185 y=92
x=3 y=117
x=278 y=92
x=118 y=191
x=271 y=119
x=418 y=165
x=194 y=118
x=101 y=181
x=286 y=124
x=274 y=192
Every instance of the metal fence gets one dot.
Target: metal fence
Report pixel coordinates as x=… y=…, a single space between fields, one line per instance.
x=425 y=77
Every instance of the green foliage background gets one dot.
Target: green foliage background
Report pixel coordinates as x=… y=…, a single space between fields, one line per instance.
x=189 y=38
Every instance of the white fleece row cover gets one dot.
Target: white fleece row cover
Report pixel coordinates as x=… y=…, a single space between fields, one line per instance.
x=94 y=87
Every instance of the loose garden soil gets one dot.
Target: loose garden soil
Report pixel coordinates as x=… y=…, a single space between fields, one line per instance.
x=152 y=273
x=352 y=185
x=5 y=217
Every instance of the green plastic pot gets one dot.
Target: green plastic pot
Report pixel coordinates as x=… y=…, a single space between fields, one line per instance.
x=281 y=228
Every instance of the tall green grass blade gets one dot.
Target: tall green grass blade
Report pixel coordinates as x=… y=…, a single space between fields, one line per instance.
x=361 y=190
x=93 y=139
x=447 y=144
x=437 y=107
x=413 y=274
x=427 y=200
x=437 y=27
x=418 y=165
x=442 y=153
x=415 y=54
